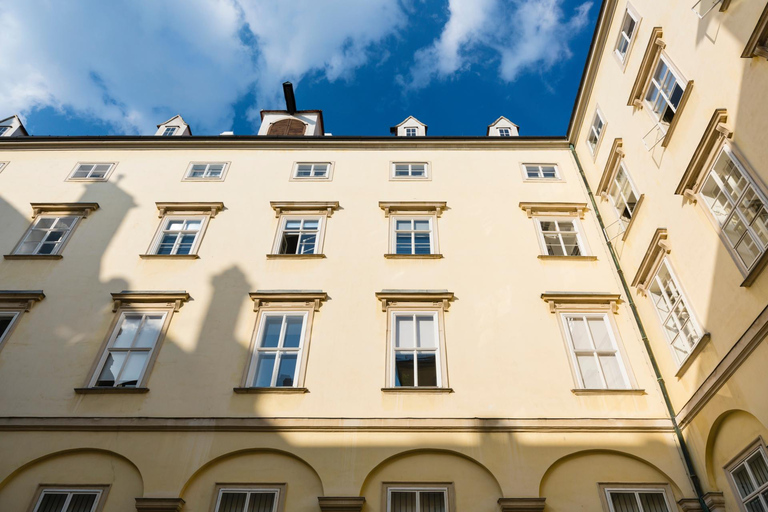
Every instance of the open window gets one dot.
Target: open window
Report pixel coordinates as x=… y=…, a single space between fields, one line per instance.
x=616 y=186
x=301 y=228
x=13 y=304
x=51 y=230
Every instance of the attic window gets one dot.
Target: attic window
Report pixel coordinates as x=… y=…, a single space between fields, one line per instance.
x=410 y=132
x=169 y=130
x=289 y=127
x=4 y=129
x=505 y=132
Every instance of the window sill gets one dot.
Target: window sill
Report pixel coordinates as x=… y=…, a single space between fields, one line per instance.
x=544 y=180
x=574 y=258
x=419 y=389
x=111 y=391
x=278 y=390
x=581 y=391
x=33 y=256
x=390 y=256
x=295 y=256
x=169 y=256
x=695 y=352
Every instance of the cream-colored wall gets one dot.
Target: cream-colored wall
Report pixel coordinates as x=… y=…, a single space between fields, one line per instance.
x=498 y=326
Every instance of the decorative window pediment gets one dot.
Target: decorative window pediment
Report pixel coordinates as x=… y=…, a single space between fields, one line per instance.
x=265 y=298
x=757 y=45
x=425 y=207
x=173 y=299
x=211 y=208
x=648 y=64
x=20 y=299
x=442 y=298
x=581 y=301
x=658 y=248
x=316 y=207
x=611 y=167
x=557 y=209
x=81 y=209
x=715 y=133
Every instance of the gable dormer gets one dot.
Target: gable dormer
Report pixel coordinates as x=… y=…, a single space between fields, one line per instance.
x=291 y=122
x=173 y=127
x=12 y=127
x=503 y=127
x=411 y=127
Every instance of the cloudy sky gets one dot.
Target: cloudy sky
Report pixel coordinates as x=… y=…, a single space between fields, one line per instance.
x=122 y=66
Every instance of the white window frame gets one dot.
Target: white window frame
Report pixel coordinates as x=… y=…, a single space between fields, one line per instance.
x=679 y=79
x=683 y=299
x=157 y=239
x=115 y=329
x=411 y=131
x=636 y=490
x=751 y=183
x=617 y=352
x=614 y=183
x=410 y=164
x=172 y=129
x=277 y=490
x=320 y=237
x=433 y=246
x=328 y=174
x=593 y=131
x=188 y=174
x=98 y=504
x=60 y=244
x=418 y=488
x=301 y=352
x=578 y=229
x=504 y=132
x=540 y=172
x=88 y=178
x=632 y=13
x=439 y=350
x=755 y=448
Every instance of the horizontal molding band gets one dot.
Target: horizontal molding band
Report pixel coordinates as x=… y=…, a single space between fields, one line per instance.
x=239 y=424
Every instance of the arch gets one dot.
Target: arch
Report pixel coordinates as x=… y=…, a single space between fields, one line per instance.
x=289 y=127
x=72 y=466
x=748 y=427
x=602 y=468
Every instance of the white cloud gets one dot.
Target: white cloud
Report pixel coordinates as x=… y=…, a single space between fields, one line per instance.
x=521 y=34
x=135 y=63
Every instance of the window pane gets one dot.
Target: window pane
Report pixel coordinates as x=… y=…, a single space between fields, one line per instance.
x=403 y=502
x=293 y=325
x=175 y=225
x=403 y=243
x=653 y=502
x=759 y=470
x=599 y=330
x=734 y=229
x=748 y=250
x=743 y=481
x=264 y=367
x=624 y=502
x=404 y=332
x=5 y=323
x=82 y=502
x=427 y=367
x=311 y=224
x=111 y=369
x=271 y=335
x=287 y=369
x=52 y=502
x=549 y=172
x=232 y=502
x=432 y=501
x=589 y=372
x=292 y=224
x=403 y=225
x=133 y=369
x=404 y=369
x=127 y=331
x=422 y=244
x=553 y=245
x=614 y=379
x=421 y=225
x=261 y=502
x=571 y=243
x=755 y=506
x=425 y=326
x=149 y=332
x=579 y=333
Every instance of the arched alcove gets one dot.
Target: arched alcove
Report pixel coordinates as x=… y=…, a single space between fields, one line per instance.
x=731 y=433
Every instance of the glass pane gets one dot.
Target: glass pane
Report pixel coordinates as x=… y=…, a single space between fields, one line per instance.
x=653 y=502
x=127 y=331
x=743 y=481
x=571 y=243
x=553 y=245
x=52 y=502
x=579 y=335
x=82 y=503
x=292 y=224
x=759 y=469
x=46 y=248
x=716 y=199
x=149 y=332
x=548 y=225
x=311 y=224
x=111 y=369
x=432 y=501
x=425 y=328
x=271 y=335
x=193 y=225
x=612 y=371
x=748 y=250
x=232 y=502
x=261 y=502
x=600 y=335
x=133 y=368
x=421 y=225
x=403 y=244
x=624 y=502
x=760 y=226
x=293 y=325
x=402 y=225
x=175 y=225
x=27 y=248
x=566 y=225
x=289 y=244
x=45 y=222
x=264 y=366
x=66 y=222
x=734 y=229
x=422 y=244
x=287 y=369
x=755 y=506
x=404 y=332
x=589 y=372
x=404 y=369
x=5 y=322
x=427 y=368
x=549 y=172
x=403 y=501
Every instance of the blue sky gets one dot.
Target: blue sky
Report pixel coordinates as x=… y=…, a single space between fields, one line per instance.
x=88 y=67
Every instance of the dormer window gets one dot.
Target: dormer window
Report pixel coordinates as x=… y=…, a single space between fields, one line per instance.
x=410 y=127
x=4 y=129
x=410 y=132
x=173 y=127
x=505 y=132
x=12 y=127
x=502 y=127
x=170 y=130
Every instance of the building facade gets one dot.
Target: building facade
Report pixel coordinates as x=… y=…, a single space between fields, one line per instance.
x=294 y=321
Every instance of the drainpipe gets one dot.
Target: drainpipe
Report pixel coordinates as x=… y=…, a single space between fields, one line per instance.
x=689 y=469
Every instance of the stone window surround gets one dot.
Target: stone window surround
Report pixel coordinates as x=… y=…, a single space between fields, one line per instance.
x=327 y=177
x=412 y=209
x=17 y=302
x=757 y=45
x=559 y=211
x=112 y=167
x=450 y=502
x=612 y=166
x=221 y=178
x=166 y=210
x=323 y=210
x=279 y=488
x=102 y=489
x=664 y=488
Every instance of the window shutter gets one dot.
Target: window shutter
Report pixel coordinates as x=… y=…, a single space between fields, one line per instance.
x=289 y=127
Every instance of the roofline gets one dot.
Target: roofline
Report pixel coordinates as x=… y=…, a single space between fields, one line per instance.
x=262 y=112
x=591 y=65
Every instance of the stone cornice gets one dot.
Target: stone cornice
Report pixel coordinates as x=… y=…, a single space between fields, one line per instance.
x=170 y=298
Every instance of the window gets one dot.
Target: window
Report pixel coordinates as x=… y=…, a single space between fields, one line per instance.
x=749 y=476
x=623 y=196
x=413 y=236
x=249 y=499
x=299 y=235
x=626 y=35
x=7 y=319
x=417 y=499
x=640 y=500
x=280 y=341
x=541 y=172
x=312 y=170
x=169 y=130
x=757 y=45
x=202 y=171
x=664 y=92
x=595 y=131
x=594 y=351
x=738 y=207
x=560 y=237
x=68 y=500
x=2 y=165
x=681 y=329
x=47 y=235
x=505 y=132
x=12 y=304
x=410 y=132
x=4 y=129
x=91 y=172
x=179 y=236
x=301 y=228
x=405 y=170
